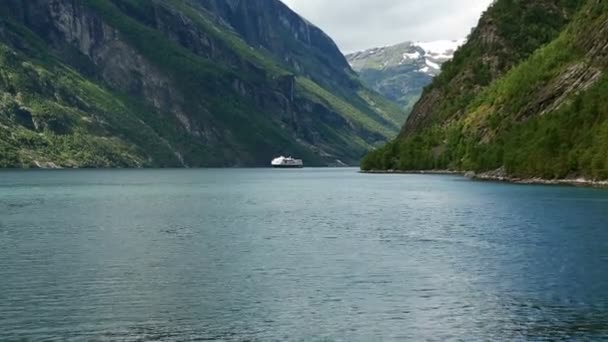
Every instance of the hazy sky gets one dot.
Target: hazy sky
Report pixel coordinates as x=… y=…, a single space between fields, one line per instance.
x=361 y=24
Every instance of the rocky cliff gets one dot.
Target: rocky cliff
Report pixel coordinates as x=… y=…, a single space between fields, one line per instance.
x=90 y=83
x=272 y=26
x=537 y=109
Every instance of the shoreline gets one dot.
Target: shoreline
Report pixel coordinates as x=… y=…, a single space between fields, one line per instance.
x=414 y=172
x=575 y=182
x=498 y=177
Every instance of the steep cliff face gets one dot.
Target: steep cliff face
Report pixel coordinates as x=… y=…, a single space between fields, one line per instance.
x=546 y=116
x=301 y=46
x=213 y=83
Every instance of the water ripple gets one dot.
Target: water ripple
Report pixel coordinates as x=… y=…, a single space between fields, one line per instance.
x=310 y=255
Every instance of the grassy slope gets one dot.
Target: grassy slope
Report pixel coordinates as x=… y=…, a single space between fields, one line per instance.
x=570 y=141
x=78 y=122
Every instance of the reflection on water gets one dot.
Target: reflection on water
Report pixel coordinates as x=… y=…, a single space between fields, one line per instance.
x=304 y=255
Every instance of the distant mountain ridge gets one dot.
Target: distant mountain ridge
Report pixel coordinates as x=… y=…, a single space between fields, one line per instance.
x=428 y=56
x=178 y=83
x=401 y=71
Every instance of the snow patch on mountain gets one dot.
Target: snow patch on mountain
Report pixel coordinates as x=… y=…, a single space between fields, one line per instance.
x=424 y=57
x=424 y=70
x=440 y=49
x=432 y=64
x=413 y=55
x=400 y=72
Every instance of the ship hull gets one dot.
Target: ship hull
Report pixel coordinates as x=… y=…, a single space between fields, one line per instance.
x=288 y=166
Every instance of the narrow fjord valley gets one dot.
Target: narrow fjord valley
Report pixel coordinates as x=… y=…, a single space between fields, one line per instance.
x=179 y=83
x=524 y=98
x=188 y=205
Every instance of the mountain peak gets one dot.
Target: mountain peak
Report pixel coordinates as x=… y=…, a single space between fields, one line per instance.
x=401 y=71
x=427 y=56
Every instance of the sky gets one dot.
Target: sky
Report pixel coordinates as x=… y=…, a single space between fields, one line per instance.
x=361 y=24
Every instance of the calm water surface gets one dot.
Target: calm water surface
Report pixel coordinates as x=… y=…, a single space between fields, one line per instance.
x=298 y=255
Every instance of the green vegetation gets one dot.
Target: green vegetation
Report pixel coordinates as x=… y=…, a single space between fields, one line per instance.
x=547 y=117
x=378 y=121
x=223 y=106
x=509 y=32
x=54 y=115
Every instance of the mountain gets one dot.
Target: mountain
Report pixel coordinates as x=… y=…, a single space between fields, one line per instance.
x=174 y=83
x=525 y=97
x=401 y=72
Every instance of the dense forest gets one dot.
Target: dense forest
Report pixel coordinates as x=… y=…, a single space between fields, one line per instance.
x=526 y=95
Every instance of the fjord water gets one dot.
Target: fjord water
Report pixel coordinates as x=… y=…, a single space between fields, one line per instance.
x=297 y=255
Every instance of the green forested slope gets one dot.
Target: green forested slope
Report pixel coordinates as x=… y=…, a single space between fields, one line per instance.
x=131 y=83
x=546 y=117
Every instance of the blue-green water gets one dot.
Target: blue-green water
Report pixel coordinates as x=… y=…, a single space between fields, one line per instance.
x=298 y=255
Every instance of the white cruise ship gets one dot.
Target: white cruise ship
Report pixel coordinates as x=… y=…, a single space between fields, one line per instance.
x=287 y=162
